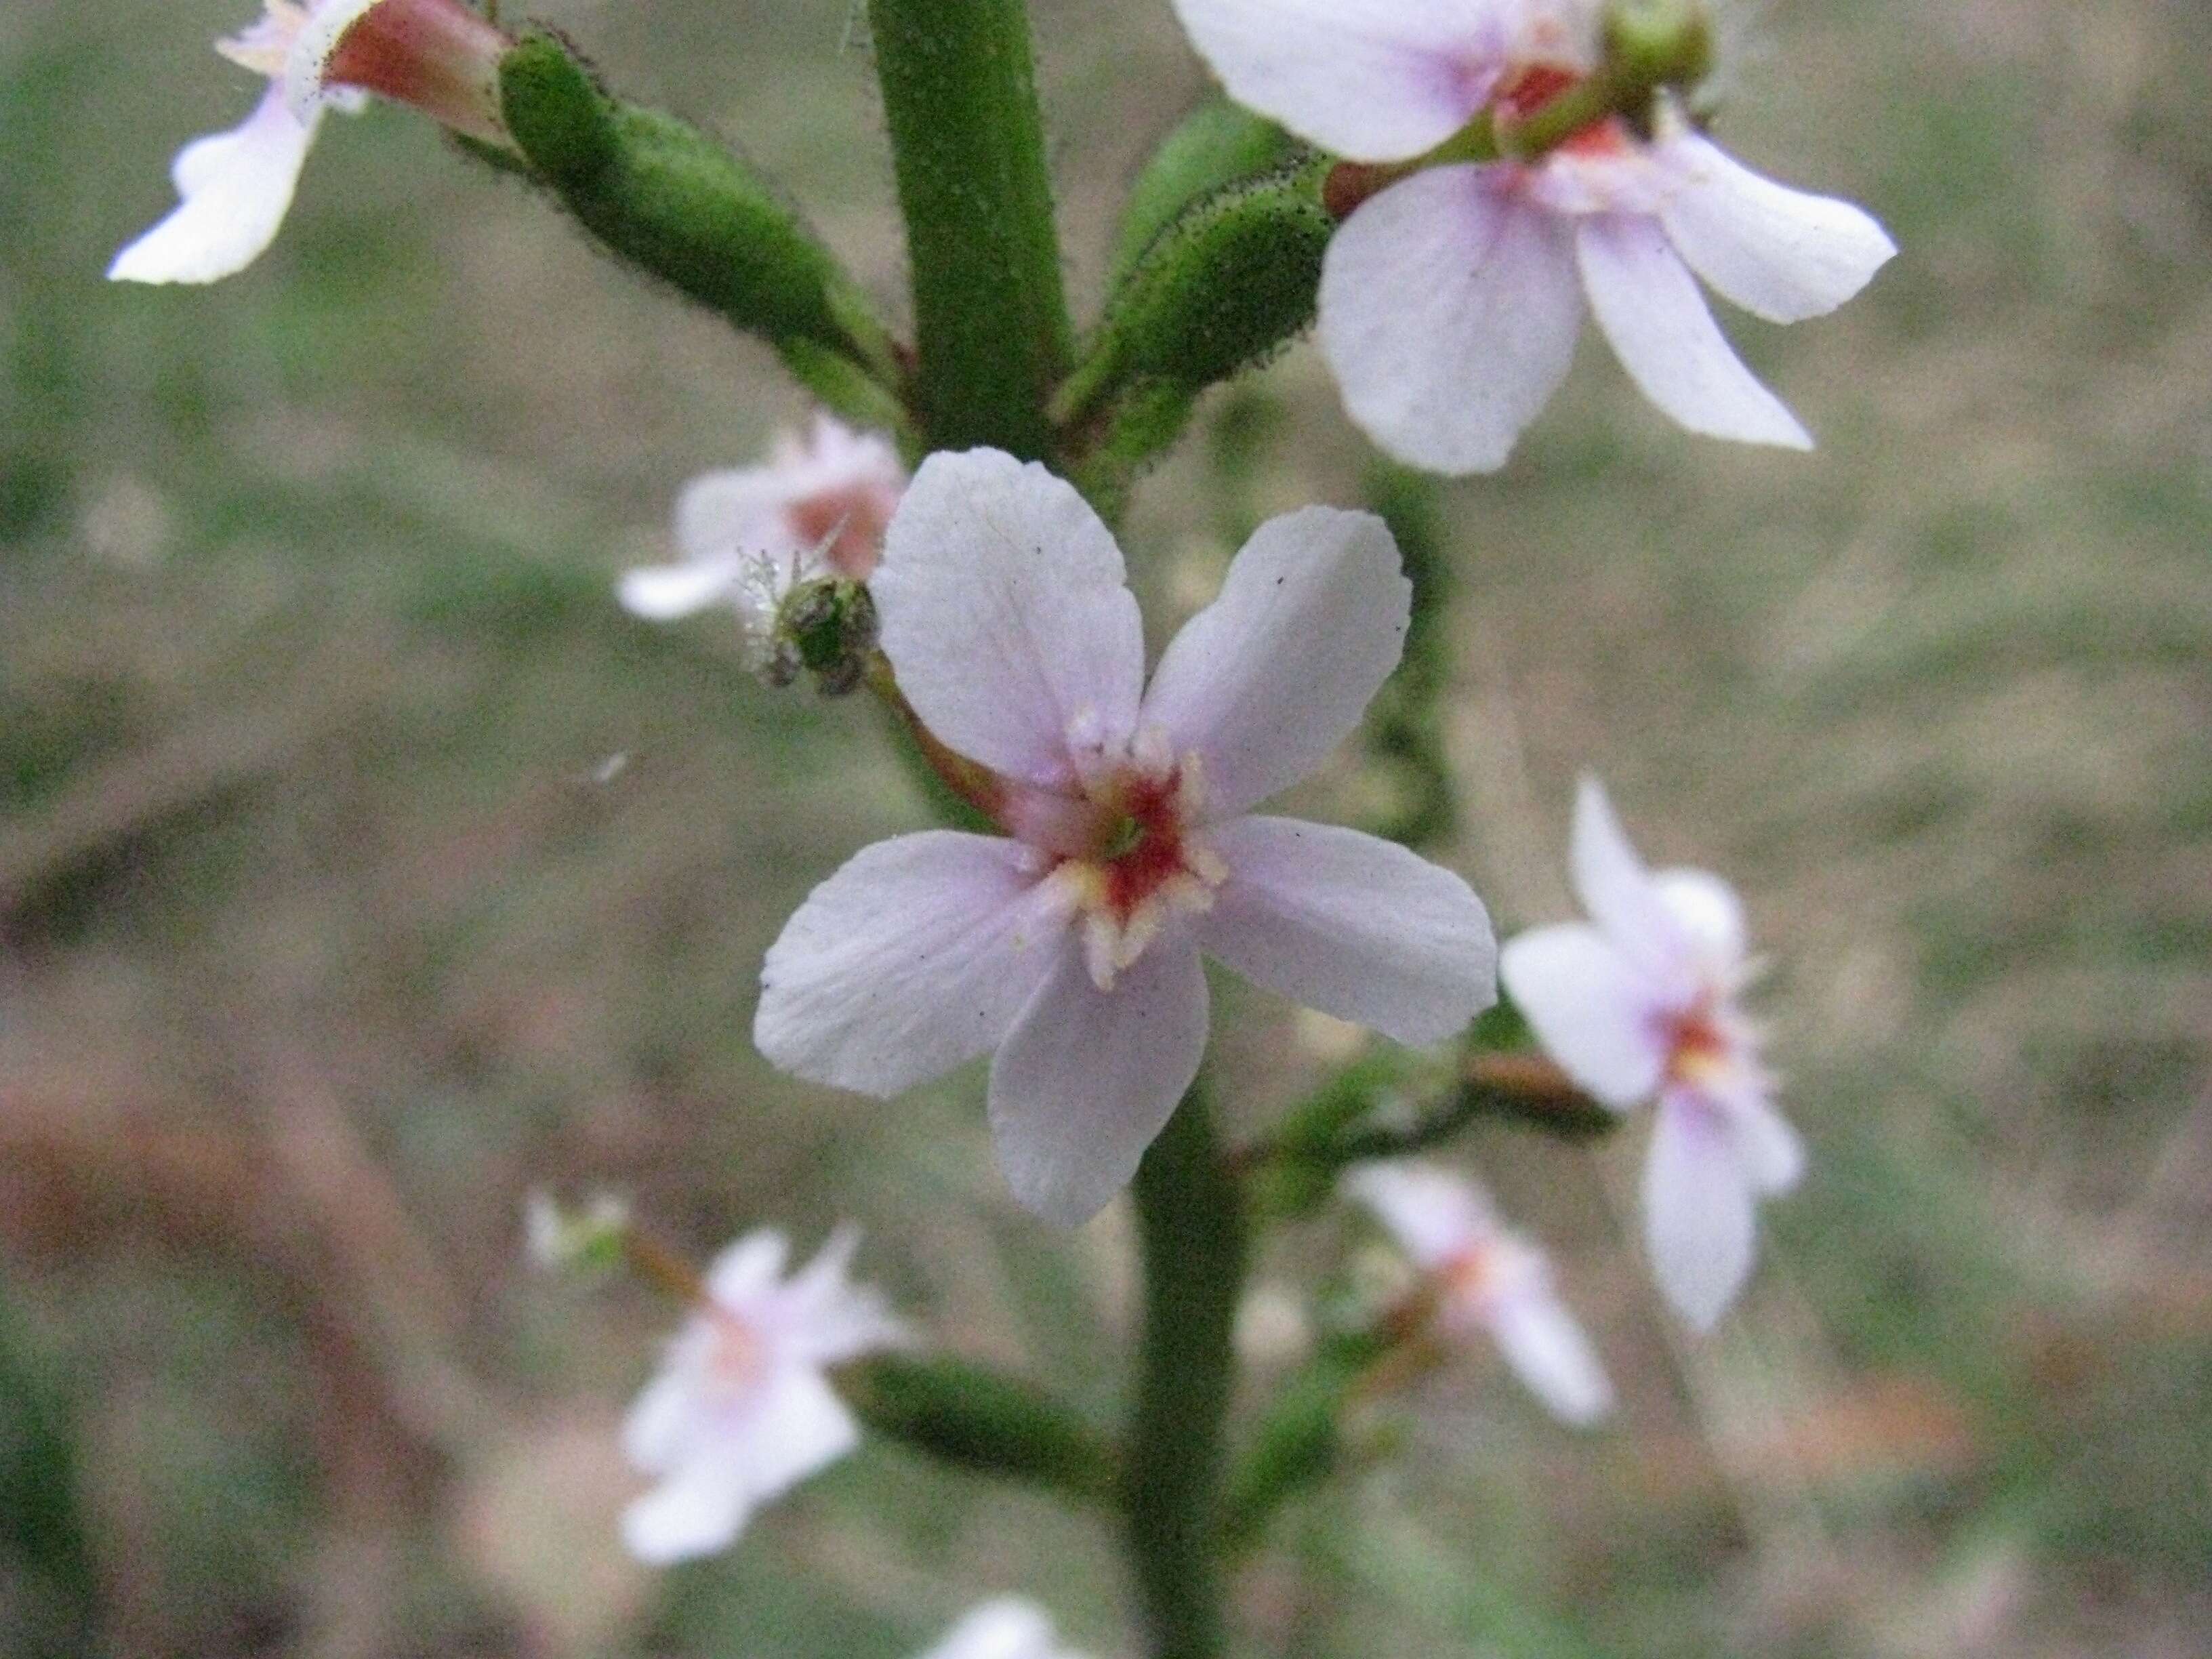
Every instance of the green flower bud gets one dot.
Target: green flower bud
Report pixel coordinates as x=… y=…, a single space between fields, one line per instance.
x=1218 y=143
x=669 y=199
x=828 y=626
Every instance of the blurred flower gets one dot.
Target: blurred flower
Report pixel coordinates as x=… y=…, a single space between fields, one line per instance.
x=1072 y=948
x=743 y=1409
x=558 y=1239
x=1452 y=298
x=1486 y=1279
x=751 y=535
x=435 y=55
x=1008 y=1628
x=1641 y=1000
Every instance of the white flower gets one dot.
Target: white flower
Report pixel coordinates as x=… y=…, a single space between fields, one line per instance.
x=435 y=55
x=1008 y=1628
x=1071 y=950
x=1486 y=1279
x=752 y=534
x=742 y=1409
x=1641 y=1000
x=1451 y=301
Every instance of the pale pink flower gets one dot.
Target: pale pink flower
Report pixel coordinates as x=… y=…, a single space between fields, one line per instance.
x=1487 y=1280
x=752 y=534
x=1072 y=948
x=742 y=1409
x=1641 y=1001
x=1451 y=301
x=435 y=55
x=1006 y=1628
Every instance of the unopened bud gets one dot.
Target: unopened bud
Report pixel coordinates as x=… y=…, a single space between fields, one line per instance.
x=1651 y=44
x=831 y=625
x=669 y=199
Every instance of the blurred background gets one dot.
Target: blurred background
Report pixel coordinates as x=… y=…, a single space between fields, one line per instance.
x=362 y=866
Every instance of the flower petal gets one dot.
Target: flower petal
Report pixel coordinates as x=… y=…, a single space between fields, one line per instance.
x=827 y=1318
x=798 y=1426
x=697 y=1511
x=1449 y=312
x=1697 y=1219
x=661 y=1419
x=327 y=22
x=1433 y=1214
x=1780 y=253
x=1007 y=615
x=236 y=187
x=736 y=510
x=664 y=593
x=913 y=957
x=1267 y=680
x=1593 y=1012
x=1008 y=1628
x=1374 y=79
x=1547 y=1350
x=1352 y=925
x=1087 y=1077
x=1772 y=1154
x=743 y=1274
x=1649 y=305
x=1710 y=915
x=1623 y=899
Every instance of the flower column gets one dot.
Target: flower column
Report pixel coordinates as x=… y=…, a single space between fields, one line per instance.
x=994 y=341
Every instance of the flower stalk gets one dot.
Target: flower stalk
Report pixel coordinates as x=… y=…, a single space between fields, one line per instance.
x=968 y=147
x=1191 y=1226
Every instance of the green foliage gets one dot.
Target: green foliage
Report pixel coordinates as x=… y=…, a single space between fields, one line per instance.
x=49 y=1604
x=1404 y=723
x=1296 y=1445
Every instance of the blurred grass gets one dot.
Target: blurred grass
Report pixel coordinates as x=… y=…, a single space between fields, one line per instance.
x=321 y=937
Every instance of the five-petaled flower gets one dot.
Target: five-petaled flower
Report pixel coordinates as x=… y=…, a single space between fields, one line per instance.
x=749 y=535
x=1071 y=946
x=1641 y=1000
x=435 y=55
x=1451 y=301
x=1486 y=1280
x=742 y=1409
x=1006 y=1628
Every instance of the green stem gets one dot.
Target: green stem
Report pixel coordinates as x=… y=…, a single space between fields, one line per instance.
x=1191 y=1229
x=968 y=144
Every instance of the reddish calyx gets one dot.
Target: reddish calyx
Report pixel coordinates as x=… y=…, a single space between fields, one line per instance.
x=435 y=56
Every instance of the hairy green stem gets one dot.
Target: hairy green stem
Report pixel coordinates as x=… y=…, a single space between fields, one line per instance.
x=968 y=145
x=1191 y=1229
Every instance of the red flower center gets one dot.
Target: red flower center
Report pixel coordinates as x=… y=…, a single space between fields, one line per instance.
x=855 y=516
x=1146 y=851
